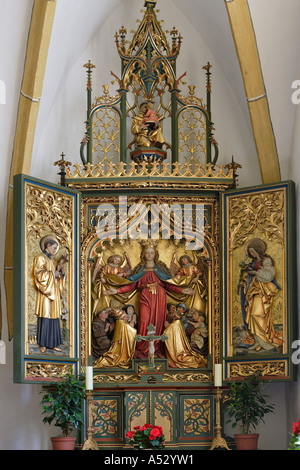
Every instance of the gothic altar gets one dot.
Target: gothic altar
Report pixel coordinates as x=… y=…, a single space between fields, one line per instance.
x=147 y=263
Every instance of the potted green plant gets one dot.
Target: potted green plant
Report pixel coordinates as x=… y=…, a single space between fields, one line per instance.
x=62 y=404
x=247 y=407
x=148 y=436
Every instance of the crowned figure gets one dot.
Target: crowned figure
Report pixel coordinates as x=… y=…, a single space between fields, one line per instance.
x=149 y=278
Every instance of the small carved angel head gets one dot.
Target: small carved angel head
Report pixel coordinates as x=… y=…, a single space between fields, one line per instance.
x=185 y=260
x=115 y=260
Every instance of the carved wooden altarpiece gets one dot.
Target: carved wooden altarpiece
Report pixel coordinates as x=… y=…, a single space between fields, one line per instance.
x=149 y=182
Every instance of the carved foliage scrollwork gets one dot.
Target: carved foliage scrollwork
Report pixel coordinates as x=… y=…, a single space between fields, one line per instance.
x=51 y=210
x=274 y=369
x=259 y=211
x=39 y=370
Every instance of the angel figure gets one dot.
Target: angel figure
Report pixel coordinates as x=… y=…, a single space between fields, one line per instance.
x=192 y=274
x=107 y=274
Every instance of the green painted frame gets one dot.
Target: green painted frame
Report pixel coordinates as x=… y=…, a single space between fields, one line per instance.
x=37 y=362
x=272 y=366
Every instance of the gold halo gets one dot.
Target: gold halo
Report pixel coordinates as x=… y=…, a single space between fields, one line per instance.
x=256 y=242
x=49 y=237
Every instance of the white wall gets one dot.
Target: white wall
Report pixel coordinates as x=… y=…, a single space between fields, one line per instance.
x=293 y=390
x=277 y=33
x=19 y=410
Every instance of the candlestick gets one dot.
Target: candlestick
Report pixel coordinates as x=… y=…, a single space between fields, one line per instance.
x=218 y=440
x=90 y=443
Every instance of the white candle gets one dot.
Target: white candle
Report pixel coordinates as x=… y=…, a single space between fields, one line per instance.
x=218 y=375
x=2 y=353
x=89 y=384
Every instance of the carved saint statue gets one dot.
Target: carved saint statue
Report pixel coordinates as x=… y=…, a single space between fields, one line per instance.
x=146 y=128
x=102 y=332
x=48 y=277
x=121 y=350
x=258 y=289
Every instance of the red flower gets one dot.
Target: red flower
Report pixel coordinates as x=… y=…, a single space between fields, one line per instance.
x=296 y=428
x=154 y=433
x=147 y=437
x=146 y=426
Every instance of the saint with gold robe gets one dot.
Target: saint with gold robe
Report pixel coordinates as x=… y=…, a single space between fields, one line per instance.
x=48 y=282
x=258 y=290
x=122 y=346
x=178 y=349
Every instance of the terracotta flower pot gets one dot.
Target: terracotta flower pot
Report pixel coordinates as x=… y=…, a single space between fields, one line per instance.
x=63 y=443
x=246 y=441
